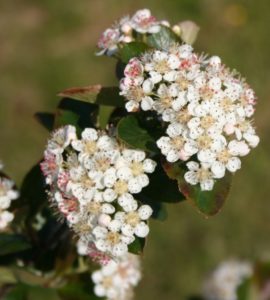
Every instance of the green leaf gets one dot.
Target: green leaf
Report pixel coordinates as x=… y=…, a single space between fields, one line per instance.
x=130 y=132
x=163 y=39
x=33 y=191
x=45 y=119
x=133 y=49
x=95 y=94
x=77 y=113
x=207 y=202
x=19 y=292
x=42 y=293
x=104 y=115
x=6 y=276
x=137 y=246
x=161 y=188
x=76 y=291
x=12 y=243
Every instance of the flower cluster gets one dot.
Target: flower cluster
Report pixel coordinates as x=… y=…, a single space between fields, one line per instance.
x=207 y=110
x=124 y=31
x=7 y=194
x=225 y=280
x=92 y=182
x=116 y=280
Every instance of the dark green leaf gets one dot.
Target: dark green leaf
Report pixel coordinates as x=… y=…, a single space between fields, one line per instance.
x=207 y=202
x=161 y=188
x=45 y=119
x=104 y=115
x=133 y=49
x=130 y=132
x=76 y=291
x=12 y=243
x=163 y=39
x=42 y=293
x=33 y=191
x=19 y=292
x=137 y=246
x=78 y=113
x=96 y=94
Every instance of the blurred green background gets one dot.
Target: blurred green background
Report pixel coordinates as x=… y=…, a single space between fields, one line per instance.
x=48 y=45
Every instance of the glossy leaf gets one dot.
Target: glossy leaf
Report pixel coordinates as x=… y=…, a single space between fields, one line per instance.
x=131 y=133
x=77 y=113
x=207 y=202
x=95 y=94
x=163 y=39
x=161 y=188
x=45 y=119
x=137 y=246
x=33 y=191
x=104 y=115
x=12 y=243
x=133 y=49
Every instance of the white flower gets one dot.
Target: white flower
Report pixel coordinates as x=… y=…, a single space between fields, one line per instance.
x=204 y=105
x=116 y=280
x=108 y=41
x=7 y=195
x=91 y=180
x=144 y=22
x=199 y=174
x=225 y=280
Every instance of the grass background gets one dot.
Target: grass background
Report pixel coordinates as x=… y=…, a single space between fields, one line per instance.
x=48 y=45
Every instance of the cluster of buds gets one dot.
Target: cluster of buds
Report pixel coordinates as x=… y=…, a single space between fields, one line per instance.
x=142 y=22
x=206 y=109
x=7 y=195
x=226 y=279
x=92 y=182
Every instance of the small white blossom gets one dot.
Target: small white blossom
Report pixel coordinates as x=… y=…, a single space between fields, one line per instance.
x=92 y=179
x=225 y=280
x=116 y=280
x=207 y=110
x=7 y=195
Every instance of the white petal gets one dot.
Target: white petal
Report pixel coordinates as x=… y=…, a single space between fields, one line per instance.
x=191 y=177
x=109 y=195
x=207 y=185
x=149 y=165
x=218 y=169
x=142 y=230
x=89 y=134
x=145 y=212
x=234 y=164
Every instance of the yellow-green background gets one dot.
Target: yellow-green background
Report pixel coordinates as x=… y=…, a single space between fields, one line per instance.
x=49 y=45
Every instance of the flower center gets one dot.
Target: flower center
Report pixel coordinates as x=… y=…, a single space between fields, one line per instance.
x=93 y=207
x=183 y=116
x=135 y=94
x=204 y=142
x=162 y=66
x=120 y=187
x=136 y=168
x=203 y=174
x=107 y=282
x=207 y=122
x=90 y=147
x=178 y=142
x=226 y=104
x=224 y=156
x=113 y=238
x=206 y=93
x=132 y=218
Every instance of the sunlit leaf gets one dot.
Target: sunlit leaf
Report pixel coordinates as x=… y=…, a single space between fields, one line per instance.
x=207 y=202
